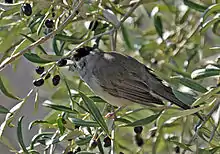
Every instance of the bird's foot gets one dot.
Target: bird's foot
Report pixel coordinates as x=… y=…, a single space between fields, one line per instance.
x=110 y=115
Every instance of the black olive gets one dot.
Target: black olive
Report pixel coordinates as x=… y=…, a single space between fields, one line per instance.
x=56 y=80
x=77 y=126
x=62 y=62
x=39 y=70
x=107 y=141
x=9 y=1
x=138 y=129
x=38 y=82
x=93 y=144
x=26 y=9
x=78 y=149
x=139 y=140
x=177 y=149
x=93 y=25
x=49 y=23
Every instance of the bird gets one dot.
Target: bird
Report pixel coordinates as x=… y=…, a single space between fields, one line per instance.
x=121 y=80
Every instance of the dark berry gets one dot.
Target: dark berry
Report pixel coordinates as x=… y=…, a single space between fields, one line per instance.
x=153 y=134
x=49 y=23
x=62 y=62
x=121 y=152
x=39 y=70
x=107 y=141
x=26 y=9
x=56 y=80
x=139 y=140
x=93 y=25
x=47 y=76
x=64 y=121
x=38 y=82
x=93 y=144
x=78 y=149
x=9 y=1
x=77 y=126
x=70 y=152
x=53 y=14
x=177 y=149
x=138 y=129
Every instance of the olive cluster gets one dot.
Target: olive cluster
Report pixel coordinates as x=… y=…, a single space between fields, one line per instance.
x=26 y=9
x=44 y=75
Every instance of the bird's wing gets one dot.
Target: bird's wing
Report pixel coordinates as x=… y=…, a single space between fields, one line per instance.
x=120 y=82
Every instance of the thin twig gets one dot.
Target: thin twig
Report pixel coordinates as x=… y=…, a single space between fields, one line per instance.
x=42 y=39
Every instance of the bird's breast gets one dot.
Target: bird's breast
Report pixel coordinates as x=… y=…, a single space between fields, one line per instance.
x=94 y=85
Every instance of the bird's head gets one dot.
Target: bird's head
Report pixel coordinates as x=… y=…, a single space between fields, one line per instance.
x=79 y=58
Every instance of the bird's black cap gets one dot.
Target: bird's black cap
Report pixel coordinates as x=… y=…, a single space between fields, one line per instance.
x=82 y=52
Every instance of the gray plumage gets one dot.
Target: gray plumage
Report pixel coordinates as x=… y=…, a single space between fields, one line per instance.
x=122 y=80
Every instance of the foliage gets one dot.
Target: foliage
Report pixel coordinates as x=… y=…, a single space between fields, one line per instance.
x=177 y=39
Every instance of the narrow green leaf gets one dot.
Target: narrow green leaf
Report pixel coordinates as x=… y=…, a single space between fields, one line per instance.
x=158 y=25
x=144 y=121
x=206 y=96
x=55 y=48
x=189 y=83
x=20 y=135
x=36 y=122
x=60 y=124
x=80 y=122
x=5 y=91
x=83 y=140
x=42 y=23
x=185 y=113
x=209 y=23
x=60 y=108
x=66 y=38
x=35 y=58
x=3 y=110
x=95 y=112
x=215 y=28
x=123 y=120
x=38 y=136
x=195 y=6
x=126 y=36
x=204 y=73
x=211 y=9
x=62 y=48
x=34 y=21
x=50 y=57
x=32 y=40
x=184 y=97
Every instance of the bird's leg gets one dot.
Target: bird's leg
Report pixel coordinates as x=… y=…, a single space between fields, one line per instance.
x=112 y=115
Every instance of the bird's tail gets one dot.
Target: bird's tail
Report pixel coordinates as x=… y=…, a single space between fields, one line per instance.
x=169 y=95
